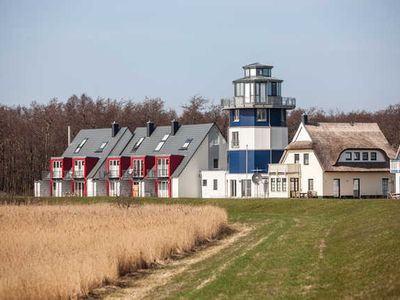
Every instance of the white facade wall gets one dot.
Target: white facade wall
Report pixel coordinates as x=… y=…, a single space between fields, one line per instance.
x=257 y=190
x=90 y=188
x=370 y=183
x=42 y=188
x=207 y=184
x=301 y=134
x=175 y=187
x=397 y=183
x=189 y=179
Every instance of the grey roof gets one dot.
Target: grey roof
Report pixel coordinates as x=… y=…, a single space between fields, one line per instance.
x=95 y=137
x=257 y=79
x=257 y=65
x=196 y=132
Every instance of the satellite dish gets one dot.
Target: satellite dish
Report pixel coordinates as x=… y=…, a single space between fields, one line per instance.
x=256 y=178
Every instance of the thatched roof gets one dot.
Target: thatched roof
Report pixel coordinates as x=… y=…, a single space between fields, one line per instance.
x=329 y=140
x=398 y=153
x=300 y=145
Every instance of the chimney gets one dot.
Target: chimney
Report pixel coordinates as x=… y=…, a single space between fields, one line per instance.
x=150 y=128
x=304 y=119
x=69 y=135
x=174 y=127
x=114 y=129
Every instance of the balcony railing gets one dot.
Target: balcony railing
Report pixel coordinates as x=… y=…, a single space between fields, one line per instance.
x=57 y=173
x=284 y=169
x=395 y=166
x=78 y=173
x=259 y=101
x=162 y=172
x=113 y=173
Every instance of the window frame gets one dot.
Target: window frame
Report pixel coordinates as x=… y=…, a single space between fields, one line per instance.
x=204 y=182
x=297 y=158
x=365 y=156
x=261 y=114
x=357 y=156
x=306 y=162
x=235 y=139
x=348 y=156
x=374 y=155
x=215 y=184
x=310 y=184
x=236 y=115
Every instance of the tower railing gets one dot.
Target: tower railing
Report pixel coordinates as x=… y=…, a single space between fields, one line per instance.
x=259 y=101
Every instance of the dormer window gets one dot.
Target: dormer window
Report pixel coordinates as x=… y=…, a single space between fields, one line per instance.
x=373 y=155
x=137 y=144
x=365 y=155
x=80 y=145
x=356 y=155
x=349 y=156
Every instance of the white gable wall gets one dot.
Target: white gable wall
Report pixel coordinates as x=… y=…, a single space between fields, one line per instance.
x=311 y=171
x=397 y=183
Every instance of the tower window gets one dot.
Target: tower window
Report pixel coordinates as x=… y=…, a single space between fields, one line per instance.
x=236 y=115
x=261 y=114
x=215 y=163
x=235 y=139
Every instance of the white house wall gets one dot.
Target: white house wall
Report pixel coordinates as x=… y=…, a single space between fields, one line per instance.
x=370 y=183
x=302 y=134
x=189 y=179
x=208 y=189
x=397 y=183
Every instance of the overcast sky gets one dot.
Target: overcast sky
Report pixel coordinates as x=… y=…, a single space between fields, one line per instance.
x=336 y=54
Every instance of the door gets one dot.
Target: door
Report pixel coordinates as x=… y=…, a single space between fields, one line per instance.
x=294 y=186
x=336 y=188
x=356 y=188
x=79 y=168
x=114 y=188
x=163 y=189
x=233 y=188
x=136 y=189
x=79 y=187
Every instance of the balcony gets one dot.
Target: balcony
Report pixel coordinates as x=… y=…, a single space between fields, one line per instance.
x=284 y=169
x=57 y=173
x=259 y=102
x=78 y=173
x=113 y=173
x=395 y=166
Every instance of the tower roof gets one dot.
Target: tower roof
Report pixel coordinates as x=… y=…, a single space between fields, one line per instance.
x=257 y=65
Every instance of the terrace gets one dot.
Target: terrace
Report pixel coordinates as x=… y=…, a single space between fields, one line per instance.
x=257 y=101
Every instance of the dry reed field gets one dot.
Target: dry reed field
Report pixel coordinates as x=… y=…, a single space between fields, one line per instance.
x=64 y=251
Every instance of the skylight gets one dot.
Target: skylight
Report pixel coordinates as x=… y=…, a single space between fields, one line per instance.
x=165 y=137
x=186 y=144
x=102 y=146
x=159 y=146
x=137 y=144
x=80 y=145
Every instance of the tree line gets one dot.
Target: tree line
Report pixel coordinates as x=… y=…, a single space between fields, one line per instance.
x=31 y=134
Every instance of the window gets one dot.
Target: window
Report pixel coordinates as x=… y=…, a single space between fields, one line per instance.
x=310 y=185
x=80 y=145
x=296 y=158
x=306 y=159
x=385 y=186
x=348 y=156
x=215 y=163
x=274 y=89
x=261 y=114
x=137 y=168
x=357 y=155
x=102 y=146
x=284 y=188
x=273 y=185
x=162 y=167
x=204 y=182
x=365 y=155
x=267 y=72
x=235 y=139
x=137 y=144
x=236 y=115
x=215 y=184
x=278 y=184
x=186 y=144
x=159 y=146
x=246 y=188
x=373 y=155
x=233 y=188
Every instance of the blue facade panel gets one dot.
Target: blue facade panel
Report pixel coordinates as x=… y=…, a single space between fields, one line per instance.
x=256 y=160
x=248 y=117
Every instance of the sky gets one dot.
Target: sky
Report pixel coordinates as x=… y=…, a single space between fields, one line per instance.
x=336 y=55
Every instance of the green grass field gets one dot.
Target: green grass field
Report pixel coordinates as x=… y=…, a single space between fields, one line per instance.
x=299 y=249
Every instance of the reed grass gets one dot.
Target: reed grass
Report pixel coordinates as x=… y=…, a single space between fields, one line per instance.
x=64 y=251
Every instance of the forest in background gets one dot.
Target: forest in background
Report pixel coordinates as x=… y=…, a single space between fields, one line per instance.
x=30 y=135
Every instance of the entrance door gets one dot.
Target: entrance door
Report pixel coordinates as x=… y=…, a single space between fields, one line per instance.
x=136 y=189
x=163 y=189
x=79 y=187
x=385 y=186
x=233 y=188
x=336 y=188
x=294 y=186
x=356 y=188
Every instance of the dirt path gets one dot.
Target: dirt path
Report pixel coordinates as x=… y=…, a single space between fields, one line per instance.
x=140 y=284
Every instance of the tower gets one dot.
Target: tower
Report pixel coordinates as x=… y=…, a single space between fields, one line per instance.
x=257 y=132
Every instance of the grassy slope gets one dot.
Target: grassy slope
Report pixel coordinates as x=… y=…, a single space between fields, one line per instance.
x=300 y=248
